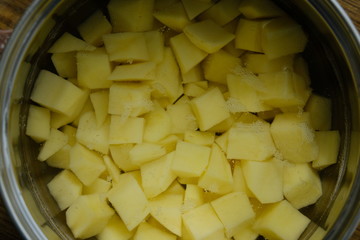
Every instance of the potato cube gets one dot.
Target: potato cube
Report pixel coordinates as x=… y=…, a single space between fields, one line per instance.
x=38 y=123
x=201 y=138
x=115 y=229
x=142 y=153
x=246 y=233
x=98 y=186
x=157 y=125
x=60 y=159
x=166 y=209
x=302 y=184
x=65 y=187
x=93 y=69
x=210 y=109
x=222 y=141
x=208 y=36
x=134 y=72
x=157 y=175
x=218 y=65
x=294 y=137
x=329 y=144
x=129 y=99
x=193 y=198
x=155 y=44
x=69 y=43
x=56 y=141
x=223 y=126
x=56 y=93
x=131 y=16
x=92 y=29
x=190 y=159
x=70 y=131
x=281 y=37
x=173 y=16
x=320 y=112
x=203 y=223
x=147 y=231
x=100 y=102
x=253 y=9
x=130 y=130
x=186 y=53
x=193 y=75
x=234 y=211
x=65 y=64
x=217 y=178
x=222 y=12
x=248 y=35
x=126 y=47
x=260 y=63
x=86 y=164
x=274 y=217
x=239 y=180
x=129 y=201
x=193 y=90
x=88 y=215
x=250 y=141
x=182 y=117
x=91 y=135
x=264 y=179
x=169 y=143
x=120 y=154
x=113 y=172
x=195 y=8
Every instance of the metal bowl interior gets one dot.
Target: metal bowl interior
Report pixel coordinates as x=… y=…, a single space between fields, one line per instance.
x=333 y=54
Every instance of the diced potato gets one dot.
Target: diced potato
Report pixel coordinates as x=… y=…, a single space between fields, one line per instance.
x=92 y=29
x=56 y=141
x=112 y=170
x=157 y=125
x=222 y=12
x=223 y=126
x=274 y=217
x=218 y=65
x=281 y=37
x=65 y=64
x=188 y=180
x=319 y=234
x=248 y=35
x=129 y=99
x=195 y=8
x=155 y=44
x=209 y=109
x=168 y=82
x=246 y=233
x=60 y=159
x=146 y=231
x=320 y=112
x=88 y=215
x=56 y=93
x=301 y=67
x=217 y=178
x=197 y=137
x=260 y=63
x=91 y=135
x=250 y=141
x=126 y=47
x=98 y=186
x=38 y=123
x=166 y=209
x=190 y=159
x=69 y=43
x=193 y=198
x=142 y=153
x=264 y=179
x=294 y=137
x=157 y=175
x=169 y=143
x=65 y=187
x=193 y=90
x=120 y=154
x=302 y=184
x=87 y=165
x=329 y=145
x=260 y=9
x=115 y=229
x=130 y=130
x=173 y=16
x=186 y=53
x=129 y=201
x=203 y=223
x=93 y=69
x=208 y=36
x=131 y=16
x=70 y=131
x=193 y=75
x=239 y=180
x=182 y=117
x=234 y=210
x=134 y=72
x=100 y=102
x=222 y=141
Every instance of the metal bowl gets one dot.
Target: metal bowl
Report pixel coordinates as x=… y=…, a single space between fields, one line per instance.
x=333 y=54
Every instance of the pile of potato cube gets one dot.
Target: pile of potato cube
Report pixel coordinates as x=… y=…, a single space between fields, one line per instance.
x=189 y=119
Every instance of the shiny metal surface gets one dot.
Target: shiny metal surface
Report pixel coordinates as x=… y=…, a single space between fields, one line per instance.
x=334 y=58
